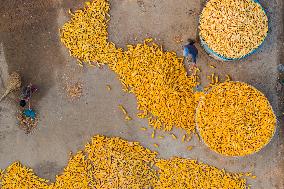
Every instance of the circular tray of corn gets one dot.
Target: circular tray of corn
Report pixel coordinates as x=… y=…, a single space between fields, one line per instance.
x=235 y=119
x=232 y=29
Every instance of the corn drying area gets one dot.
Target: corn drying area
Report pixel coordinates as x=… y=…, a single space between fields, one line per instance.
x=119 y=107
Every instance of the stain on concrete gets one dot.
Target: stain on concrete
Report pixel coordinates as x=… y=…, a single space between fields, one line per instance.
x=47 y=169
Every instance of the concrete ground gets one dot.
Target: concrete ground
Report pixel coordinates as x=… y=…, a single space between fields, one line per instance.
x=29 y=43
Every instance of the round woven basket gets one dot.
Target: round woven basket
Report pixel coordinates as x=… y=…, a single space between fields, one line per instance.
x=217 y=56
x=198 y=132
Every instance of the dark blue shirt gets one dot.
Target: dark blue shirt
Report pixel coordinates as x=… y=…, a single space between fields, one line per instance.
x=192 y=50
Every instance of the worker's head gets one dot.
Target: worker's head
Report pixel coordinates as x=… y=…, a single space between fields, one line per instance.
x=191 y=41
x=23 y=103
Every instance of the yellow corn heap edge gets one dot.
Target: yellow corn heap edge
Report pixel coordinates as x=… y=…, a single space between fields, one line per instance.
x=233 y=28
x=116 y=163
x=157 y=78
x=235 y=119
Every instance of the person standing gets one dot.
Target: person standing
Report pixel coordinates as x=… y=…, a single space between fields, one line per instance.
x=191 y=50
x=27 y=94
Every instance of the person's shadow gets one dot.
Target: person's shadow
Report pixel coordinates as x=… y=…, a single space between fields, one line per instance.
x=30 y=39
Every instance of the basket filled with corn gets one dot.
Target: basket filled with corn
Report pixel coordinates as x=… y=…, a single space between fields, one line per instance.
x=232 y=29
x=235 y=119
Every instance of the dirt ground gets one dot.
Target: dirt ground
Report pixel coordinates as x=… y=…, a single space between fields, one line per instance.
x=29 y=43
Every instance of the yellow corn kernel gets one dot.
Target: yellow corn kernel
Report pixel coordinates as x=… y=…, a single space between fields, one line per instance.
x=128 y=118
x=183 y=138
x=174 y=136
x=189 y=138
x=228 y=78
x=153 y=134
x=189 y=147
x=123 y=109
x=108 y=87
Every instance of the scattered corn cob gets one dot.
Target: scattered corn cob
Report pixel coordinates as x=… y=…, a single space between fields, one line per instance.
x=174 y=136
x=153 y=134
x=188 y=138
x=108 y=87
x=217 y=79
x=143 y=128
x=156 y=145
x=183 y=138
x=197 y=135
x=123 y=109
x=228 y=78
x=161 y=137
x=128 y=118
x=189 y=147
x=248 y=174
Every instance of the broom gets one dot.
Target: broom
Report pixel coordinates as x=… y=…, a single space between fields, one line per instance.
x=14 y=83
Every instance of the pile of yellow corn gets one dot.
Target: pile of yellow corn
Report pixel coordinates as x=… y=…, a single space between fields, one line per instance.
x=179 y=173
x=157 y=78
x=115 y=163
x=235 y=119
x=85 y=35
x=233 y=28
x=17 y=176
